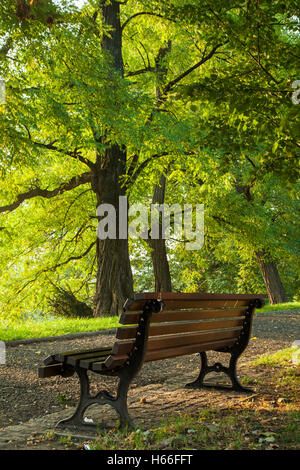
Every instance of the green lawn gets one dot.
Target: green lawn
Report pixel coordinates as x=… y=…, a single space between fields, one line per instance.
x=54 y=327
x=285 y=306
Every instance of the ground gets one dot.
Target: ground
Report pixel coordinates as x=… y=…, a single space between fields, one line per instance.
x=30 y=406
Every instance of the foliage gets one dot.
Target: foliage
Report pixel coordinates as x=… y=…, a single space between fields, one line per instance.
x=224 y=123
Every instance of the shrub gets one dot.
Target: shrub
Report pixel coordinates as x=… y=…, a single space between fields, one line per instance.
x=63 y=303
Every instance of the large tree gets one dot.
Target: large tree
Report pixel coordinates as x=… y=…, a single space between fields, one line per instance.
x=84 y=116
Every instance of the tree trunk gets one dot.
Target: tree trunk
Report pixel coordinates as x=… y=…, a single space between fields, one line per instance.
x=114 y=281
x=158 y=246
x=268 y=267
x=160 y=266
x=272 y=279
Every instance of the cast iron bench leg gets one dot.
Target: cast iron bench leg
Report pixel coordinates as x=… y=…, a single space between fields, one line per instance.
x=218 y=367
x=125 y=374
x=235 y=352
x=102 y=398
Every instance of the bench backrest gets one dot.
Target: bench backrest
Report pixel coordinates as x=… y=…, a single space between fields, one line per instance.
x=189 y=323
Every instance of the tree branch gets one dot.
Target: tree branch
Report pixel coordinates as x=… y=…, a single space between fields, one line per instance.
x=72 y=258
x=222 y=221
x=7 y=46
x=250 y=161
x=139 y=72
x=144 y=13
x=257 y=61
x=142 y=166
x=52 y=268
x=71 y=204
x=159 y=101
x=75 y=154
x=173 y=82
x=45 y=193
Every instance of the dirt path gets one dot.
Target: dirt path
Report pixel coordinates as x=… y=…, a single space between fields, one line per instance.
x=156 y=392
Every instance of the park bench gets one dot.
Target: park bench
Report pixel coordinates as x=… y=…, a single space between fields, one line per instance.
x=161 y=326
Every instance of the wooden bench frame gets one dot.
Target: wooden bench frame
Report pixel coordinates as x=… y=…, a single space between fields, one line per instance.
x=231 y=314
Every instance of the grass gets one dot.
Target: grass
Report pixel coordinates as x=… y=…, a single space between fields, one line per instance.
x=211 y=429
x=280 y=358
x=34 y=328
x=284 y=306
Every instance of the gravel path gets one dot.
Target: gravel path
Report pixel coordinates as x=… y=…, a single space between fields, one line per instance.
x=23 y=396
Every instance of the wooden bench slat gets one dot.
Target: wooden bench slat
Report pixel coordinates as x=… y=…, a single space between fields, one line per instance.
x=110 y=363
x=98 y=367
x=172 y=328
x=50 y=370
x=185 y=350
x=79 y=359
x=87 y=363
x=186 y=304
x=178 y=340
x=63 y=356
x=181 y=303
x=130 y=318
x=51 y=360
x=195 y=296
